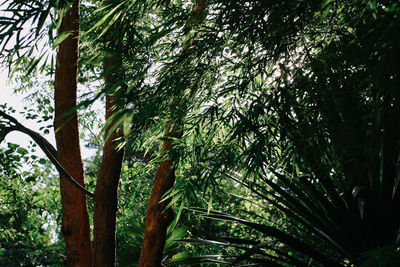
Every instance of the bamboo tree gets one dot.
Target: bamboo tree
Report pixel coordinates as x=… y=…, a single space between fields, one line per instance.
x=75 y=219
x=106 y=193
x=67 y=156
x=157 y=217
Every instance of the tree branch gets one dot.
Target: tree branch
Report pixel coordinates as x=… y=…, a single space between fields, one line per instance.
x=45 y=145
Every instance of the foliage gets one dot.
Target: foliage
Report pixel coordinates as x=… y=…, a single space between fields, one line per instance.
x=290 y=119
x=315 y=133
x=29 y=205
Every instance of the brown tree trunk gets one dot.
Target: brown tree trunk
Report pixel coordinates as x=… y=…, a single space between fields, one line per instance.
x=106 y=193
x=75 y=219
x=156 y=220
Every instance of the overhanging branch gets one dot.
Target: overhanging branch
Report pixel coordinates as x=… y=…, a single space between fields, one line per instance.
x=47 y=148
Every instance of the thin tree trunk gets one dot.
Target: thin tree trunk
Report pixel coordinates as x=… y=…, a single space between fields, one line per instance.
x=157 y=219
x=75 y=219
x=106 y=193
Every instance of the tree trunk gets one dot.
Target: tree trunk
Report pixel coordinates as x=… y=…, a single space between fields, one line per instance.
x=106 y=193
x=75 y=219
x=156 y=220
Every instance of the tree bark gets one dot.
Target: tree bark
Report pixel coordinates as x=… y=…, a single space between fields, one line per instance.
x=106 y=193
x=157 y=219
x=75 y=219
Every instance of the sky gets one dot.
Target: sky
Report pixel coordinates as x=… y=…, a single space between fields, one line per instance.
x=16 y=101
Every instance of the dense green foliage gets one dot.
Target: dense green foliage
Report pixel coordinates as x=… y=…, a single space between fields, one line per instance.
x=290 y=113
x=29 y=204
